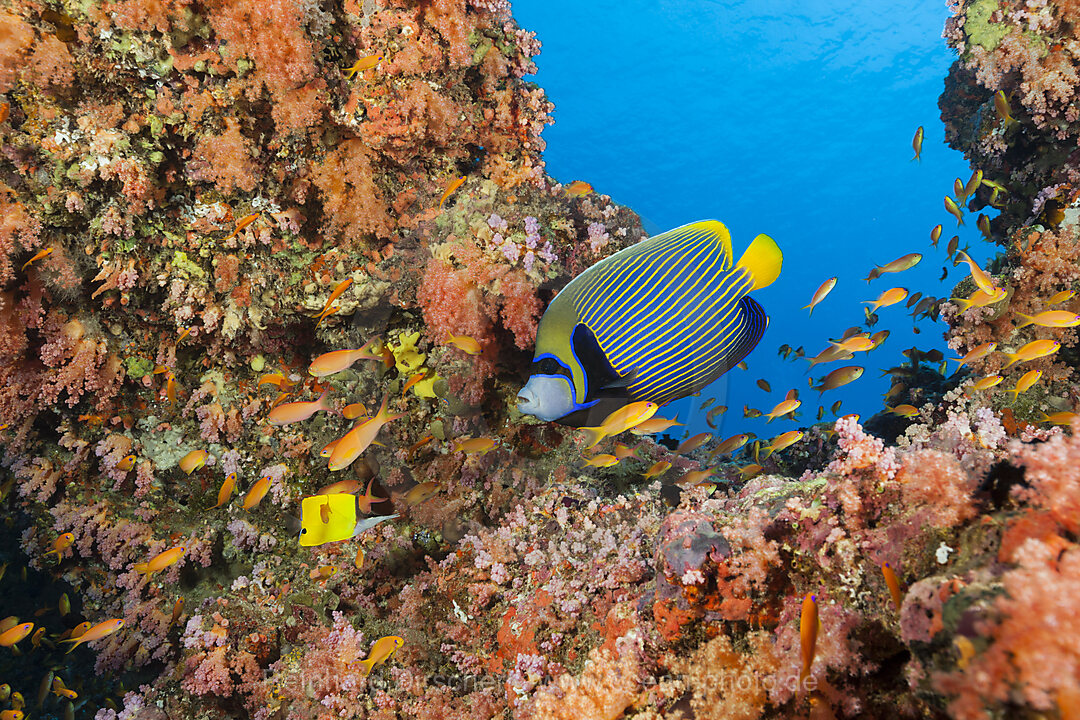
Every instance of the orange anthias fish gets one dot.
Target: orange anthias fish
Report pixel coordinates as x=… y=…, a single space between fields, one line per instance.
x=893 y=584
x=470 y=446
x=454 y=185
x=691 y=444
x=37 y=256
x=820 y=294
x=830 y=354
x=711 y=415
x=887 y=298
x=602 y=460
x=782 y=442
x=334 y=295
x=362 y=64
x=417 y=377
x=621 y=420
x=654 y=425
x=656 y=469
x=973 y=183
x=257 y=492
x=730 y=445
x=422 y=492
x=985 y=383
x=1024 y=383
x=13 y=635
x=226 y=490
x=1001 y=106
x=277 y=379
x=193 y=461
x=356 y=441
x=464 y=343
x=365 y=501
x=298 y=411
x=578 y=188
x=877 y=338
x=380 y=652
x=982 y=280
x=1050 y=319
x=783 y=408
x=126 y=463
x=1060 y=297
x=338 y=360
x=904 y=411
x=62 y=543
x=323 y=572
x=1032 y=351
x=935 y=235
x=977 y=354
x=953 y=209
x=1063 y=417
x=241 y=224
x=160 y=561
x=898 y=265
x=980 y=299
x=916 y=143
x=102 y=629
x=854 y=344
x=839 y=377
x=170 y=387
x=347 y=487
x=808 y=632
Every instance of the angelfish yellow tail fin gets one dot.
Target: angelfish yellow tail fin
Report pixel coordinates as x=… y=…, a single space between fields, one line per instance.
x=762 y=260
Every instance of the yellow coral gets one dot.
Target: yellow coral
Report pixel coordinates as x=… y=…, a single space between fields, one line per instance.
x=410 y=361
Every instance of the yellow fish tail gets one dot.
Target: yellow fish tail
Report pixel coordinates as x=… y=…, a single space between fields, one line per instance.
x=762 y=261
x=963 y=303
x=1028 y=320
x=366 y=666
x=595 y=435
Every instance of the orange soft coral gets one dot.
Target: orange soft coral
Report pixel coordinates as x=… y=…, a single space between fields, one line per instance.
x=226 y=159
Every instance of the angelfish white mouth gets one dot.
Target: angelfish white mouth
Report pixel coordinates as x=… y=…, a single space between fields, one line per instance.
x=546 y=397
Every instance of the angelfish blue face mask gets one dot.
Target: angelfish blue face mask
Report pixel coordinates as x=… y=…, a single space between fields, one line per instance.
x=547 y=397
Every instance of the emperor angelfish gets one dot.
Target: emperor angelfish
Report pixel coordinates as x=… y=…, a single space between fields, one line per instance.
x=656 y=321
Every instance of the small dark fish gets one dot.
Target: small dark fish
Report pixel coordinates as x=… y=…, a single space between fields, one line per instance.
x=799 y=352
x=835 y=409
x=944 y=273
x=764 y=385
x=820 y=412
x=914 y=298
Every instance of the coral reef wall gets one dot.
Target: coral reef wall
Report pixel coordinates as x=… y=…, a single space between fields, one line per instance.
x=199 y=199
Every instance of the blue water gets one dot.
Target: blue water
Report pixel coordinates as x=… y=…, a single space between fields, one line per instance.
x=792 y=122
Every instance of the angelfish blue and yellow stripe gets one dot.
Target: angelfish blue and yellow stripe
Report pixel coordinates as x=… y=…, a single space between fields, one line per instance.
x=656 y=321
